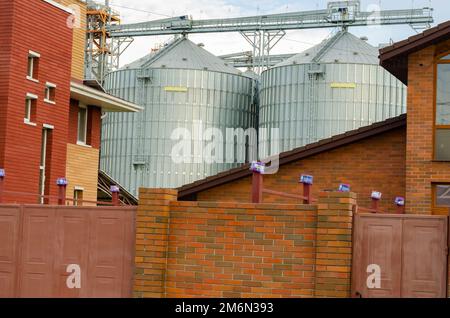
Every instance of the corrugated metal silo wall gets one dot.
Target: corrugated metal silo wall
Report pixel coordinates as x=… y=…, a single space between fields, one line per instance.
x=307 y=106
x=136 y=148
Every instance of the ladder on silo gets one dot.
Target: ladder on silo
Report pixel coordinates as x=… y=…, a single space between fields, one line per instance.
x=314 y=74
x=143 y=77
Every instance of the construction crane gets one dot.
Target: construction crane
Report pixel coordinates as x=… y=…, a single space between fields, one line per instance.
x=263 y=32
x=102 y=50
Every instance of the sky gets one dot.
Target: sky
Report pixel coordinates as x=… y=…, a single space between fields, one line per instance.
x=133 y=11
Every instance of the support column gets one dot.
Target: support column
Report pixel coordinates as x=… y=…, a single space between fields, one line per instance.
x=334 y=244
x=152 y=231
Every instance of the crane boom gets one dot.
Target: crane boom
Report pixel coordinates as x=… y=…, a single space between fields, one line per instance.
x=273 y=22
x=263 y=32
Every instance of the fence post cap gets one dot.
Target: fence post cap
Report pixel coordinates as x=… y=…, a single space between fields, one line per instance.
x=62 y=182
x=306 y=179
x=376 y=195
x=344 y=187
x=257 y=167
x=400 y=201
x=115 y=189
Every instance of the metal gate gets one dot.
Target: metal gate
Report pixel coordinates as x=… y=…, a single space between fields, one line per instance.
x=410 y=250
x=37 y=243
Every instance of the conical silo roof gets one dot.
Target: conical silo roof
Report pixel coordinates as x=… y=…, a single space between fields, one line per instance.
x=343 y=47
x=183 y=54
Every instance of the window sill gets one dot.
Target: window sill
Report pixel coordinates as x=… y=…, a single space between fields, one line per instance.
x=32 y=79
x=49 y=102
x=82 y=144
x=27 y=122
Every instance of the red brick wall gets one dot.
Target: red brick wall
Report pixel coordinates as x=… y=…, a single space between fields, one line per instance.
x=73 y=122
x=6 y=25
x=94 y=126
x=217 y=249
x=376 y=163
x=421 y=171
x=40 y=27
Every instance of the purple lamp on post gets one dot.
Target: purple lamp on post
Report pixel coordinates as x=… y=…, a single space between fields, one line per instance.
x=115 y=191
x=62 y=187
x=257 y=168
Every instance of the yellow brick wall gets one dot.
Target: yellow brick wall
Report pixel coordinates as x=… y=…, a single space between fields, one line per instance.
x=79 y=37
x=82 y=170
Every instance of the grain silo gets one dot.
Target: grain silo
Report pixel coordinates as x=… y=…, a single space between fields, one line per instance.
x=331 y=88
x=178 y=86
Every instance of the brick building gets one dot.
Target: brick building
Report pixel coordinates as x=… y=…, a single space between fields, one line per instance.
x=404 y=156
x=49 y=118
x=422 y=62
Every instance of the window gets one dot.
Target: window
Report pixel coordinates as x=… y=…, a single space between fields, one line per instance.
x=441 y=198
x=33 y=65
x=82 y=124
x=78 y=196
x=30 y=109
x=442 y=124
x=50 y=92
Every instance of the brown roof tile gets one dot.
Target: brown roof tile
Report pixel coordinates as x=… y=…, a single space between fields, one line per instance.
x=394 y=58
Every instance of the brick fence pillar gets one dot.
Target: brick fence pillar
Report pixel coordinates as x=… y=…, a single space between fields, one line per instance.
x=334 y=244
x=152 y=230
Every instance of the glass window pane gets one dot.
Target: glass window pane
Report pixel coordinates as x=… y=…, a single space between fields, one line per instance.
x=28 y=109
x=447 y=57
x=442 y=195
x=443 y=95
x=442 y=147
x=30 y=66
x=82 y=121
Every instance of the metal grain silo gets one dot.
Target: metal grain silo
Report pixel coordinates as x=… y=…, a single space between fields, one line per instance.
x=334 y=87
x=178 y=86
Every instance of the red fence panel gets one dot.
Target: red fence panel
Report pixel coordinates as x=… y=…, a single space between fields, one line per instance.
x=38 y=242
x=9 y=249
x=410 y=250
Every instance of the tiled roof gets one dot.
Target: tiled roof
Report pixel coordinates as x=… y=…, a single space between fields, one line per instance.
x=395 y=57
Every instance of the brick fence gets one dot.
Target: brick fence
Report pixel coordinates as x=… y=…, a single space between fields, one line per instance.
x=213 y=249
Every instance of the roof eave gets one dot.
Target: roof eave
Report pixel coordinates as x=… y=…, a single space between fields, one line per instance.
x=60 y=6
x=93 y=97
x=394 y=58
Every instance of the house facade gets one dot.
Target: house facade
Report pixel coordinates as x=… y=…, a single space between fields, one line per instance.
x=50 y=119
x=423 y=63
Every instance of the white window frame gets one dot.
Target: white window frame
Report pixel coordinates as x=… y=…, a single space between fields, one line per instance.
x=28 y=108
x=32 y=56
x=78 y=190
x=82 y=142
x=47 y=98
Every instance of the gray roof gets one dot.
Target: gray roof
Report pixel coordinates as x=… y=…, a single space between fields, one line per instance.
x=343 y=47
x=182 y=53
